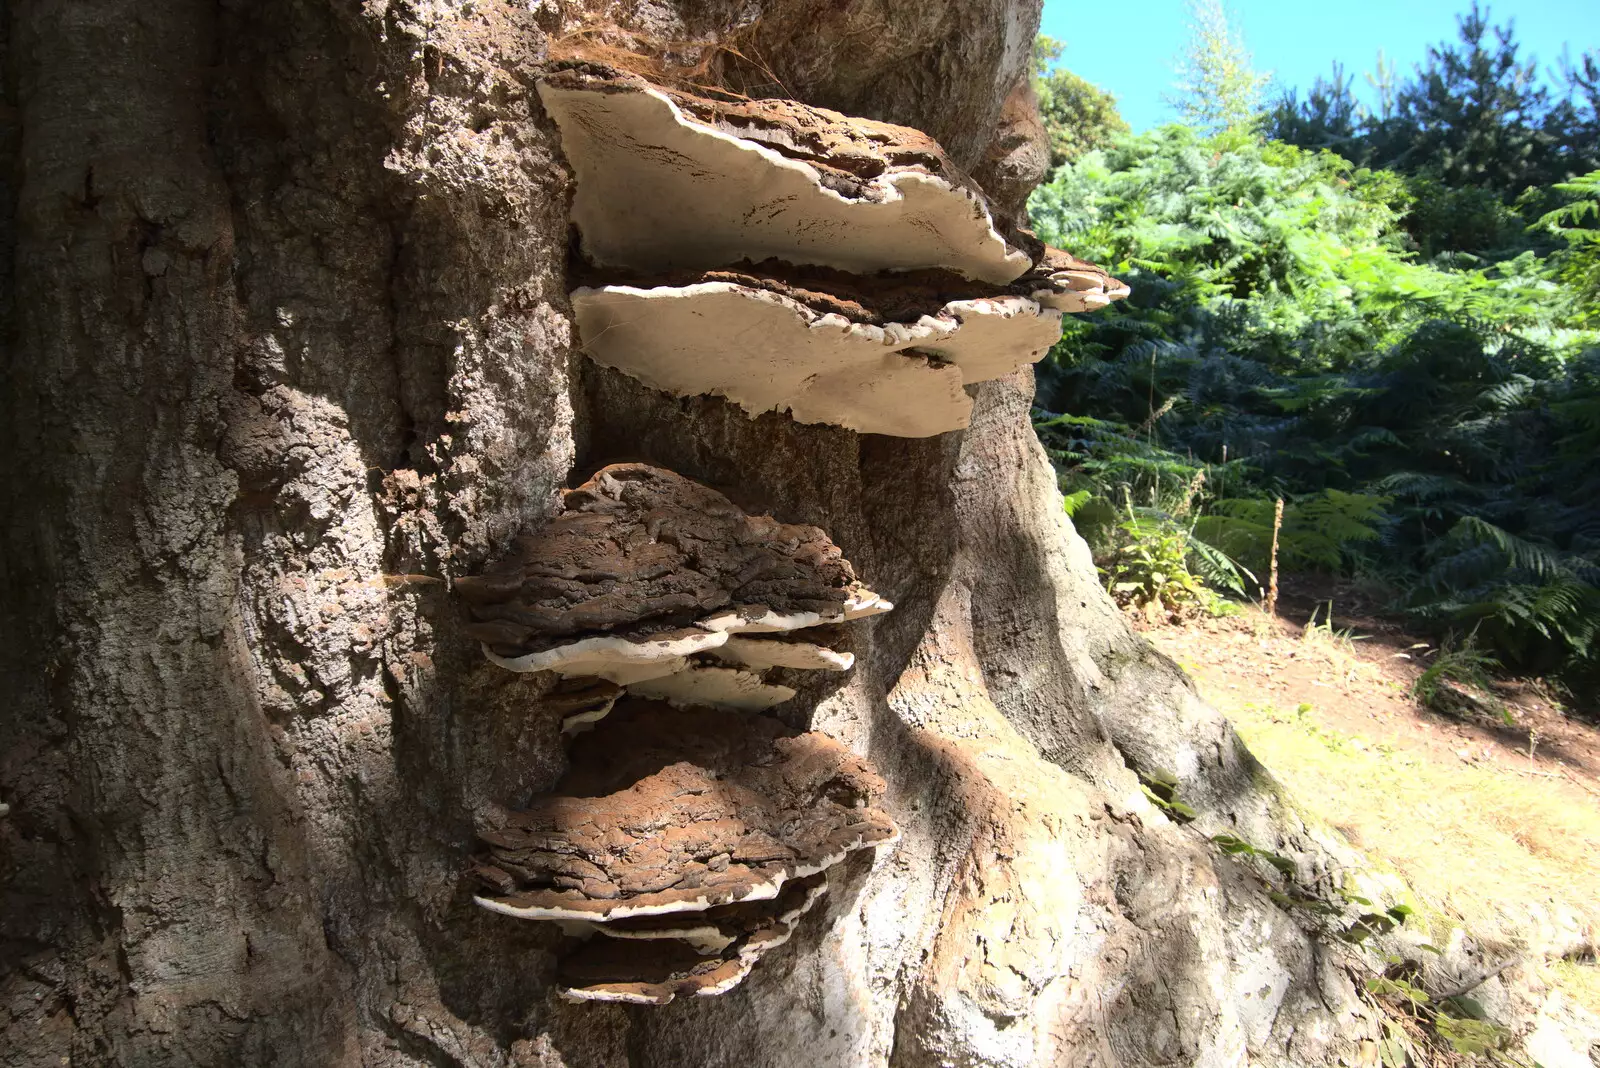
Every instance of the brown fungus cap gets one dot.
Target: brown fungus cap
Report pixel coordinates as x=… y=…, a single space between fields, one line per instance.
x=728 y=181
x=667 y=810
x=645 y=568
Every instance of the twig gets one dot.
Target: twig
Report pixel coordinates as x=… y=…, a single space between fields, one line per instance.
x=1466 y=985
x=1580 y=782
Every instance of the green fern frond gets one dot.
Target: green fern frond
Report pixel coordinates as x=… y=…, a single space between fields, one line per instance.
x=1542 y=560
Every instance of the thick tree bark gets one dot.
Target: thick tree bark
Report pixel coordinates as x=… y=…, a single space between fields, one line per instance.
x=287 y=347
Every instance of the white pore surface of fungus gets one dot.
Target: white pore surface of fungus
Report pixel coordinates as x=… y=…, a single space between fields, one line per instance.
x=760 y=653
x=627 y=661
x=659 y=982
x=714 y=687
x=617 y=659
x=768 y=352
x=658 y=190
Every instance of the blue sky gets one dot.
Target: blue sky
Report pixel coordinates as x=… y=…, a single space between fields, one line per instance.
x=1131 y=51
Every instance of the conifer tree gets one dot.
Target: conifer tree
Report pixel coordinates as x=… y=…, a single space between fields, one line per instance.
x=1218 y=87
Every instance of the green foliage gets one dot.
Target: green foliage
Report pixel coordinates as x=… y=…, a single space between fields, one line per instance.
x=1471 y=114
x=1321 y=531
x=1462 y=663
x=1161 y=787
x=1235 y=846
x=1149 y=554
x=1433 y=425
x=1473 y=127
x=1471 y=1037
x=1396 y=1050
x=1375 y=924
x=1398 y=990
x=1457 y=1023
x=1444 y=219
x=1218 y=87
x=1579 y=267
x=1149 y=565
x=1078 y=115
x=1330 y=910
x=1154 y=561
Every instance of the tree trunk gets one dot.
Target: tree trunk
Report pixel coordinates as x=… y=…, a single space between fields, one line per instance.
x=287 y=345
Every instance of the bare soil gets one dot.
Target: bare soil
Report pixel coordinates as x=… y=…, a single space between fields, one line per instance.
x=1363 y=686
x=1494 y=821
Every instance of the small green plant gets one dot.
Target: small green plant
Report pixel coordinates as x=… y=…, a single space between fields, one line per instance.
x=1329 y=913
x=1071 y=502
x=1149 y=565
x=1398 y=990
x=1155 y=562
x=1327 y=635
x=1161 y=787
x=1471 y=1037
x=1464 y=665
x=1234 y=846
x=1370 y=924
x=1222 y=608
x=1397 y=1050
x=1457 y=1022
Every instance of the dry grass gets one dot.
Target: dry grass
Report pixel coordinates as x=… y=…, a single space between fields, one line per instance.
x=1338 y=649
x=1580 y=982
x=1486 y=836
x=1486 y=844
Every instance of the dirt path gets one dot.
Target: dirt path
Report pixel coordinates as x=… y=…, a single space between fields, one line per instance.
x=1358 y=676
x=1495 y=822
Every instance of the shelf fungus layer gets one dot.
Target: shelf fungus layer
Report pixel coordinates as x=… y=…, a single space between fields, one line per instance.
x=767 y=346
x=645 y=569
x=581 y=702
x=668 y=811
x=712 y=686
x=700 y=955
x=725 y=181
x=1068 y=284
x=801 y=650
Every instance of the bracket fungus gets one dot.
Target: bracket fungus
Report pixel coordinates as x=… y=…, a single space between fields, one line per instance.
x=767 y=347
x=644 y=569
x=718 y=928
x=667 y=810
x=581 y=702
x=788 y=259
x=729 y=180
x=692 y=839
x=704 y=956
x=792 y=650
x=850 y=205
x=1068 y=284
x=714 y=687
